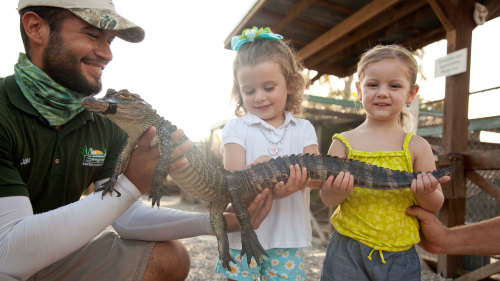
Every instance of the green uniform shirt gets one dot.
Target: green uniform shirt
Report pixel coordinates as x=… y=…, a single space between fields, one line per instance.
x=52 y=167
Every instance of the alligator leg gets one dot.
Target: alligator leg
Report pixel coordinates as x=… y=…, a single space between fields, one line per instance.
x=250 y=244
x=161 y=170
x=220 y=228
x=120 y=165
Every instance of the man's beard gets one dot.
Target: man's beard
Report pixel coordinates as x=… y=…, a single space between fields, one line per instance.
x=64 y=68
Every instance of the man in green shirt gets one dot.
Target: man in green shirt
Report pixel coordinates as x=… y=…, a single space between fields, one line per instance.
x=52 y=150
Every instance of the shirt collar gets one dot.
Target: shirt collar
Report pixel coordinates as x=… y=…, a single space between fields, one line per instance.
x=253 y=120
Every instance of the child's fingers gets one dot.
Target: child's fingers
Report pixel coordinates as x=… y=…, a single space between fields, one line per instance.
x=444 y=179
x=338 y=180
x=350 y=186
x=413 y=186
x=345 y=182
x=299 y=177
x=426 y=182
x=433 y=180
x=419 y=185
x=327 y=184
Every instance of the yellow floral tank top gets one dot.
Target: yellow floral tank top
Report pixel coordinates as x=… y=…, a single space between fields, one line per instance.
x=377 y=218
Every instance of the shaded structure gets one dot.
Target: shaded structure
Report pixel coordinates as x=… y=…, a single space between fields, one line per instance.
x=330 y=35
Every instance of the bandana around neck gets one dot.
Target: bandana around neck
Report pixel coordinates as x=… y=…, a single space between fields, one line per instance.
x=54 y=102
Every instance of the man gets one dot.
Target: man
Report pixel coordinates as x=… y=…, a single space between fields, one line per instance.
x=481 y=238
x=51 y=150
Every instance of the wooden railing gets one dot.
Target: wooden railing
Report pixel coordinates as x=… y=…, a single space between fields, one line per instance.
x=466 y=166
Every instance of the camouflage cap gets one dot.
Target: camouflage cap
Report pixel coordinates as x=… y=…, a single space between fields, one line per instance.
x=98 y=13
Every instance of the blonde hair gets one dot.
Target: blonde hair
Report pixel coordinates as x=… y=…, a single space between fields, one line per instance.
x=280 y=52
x=383 y=52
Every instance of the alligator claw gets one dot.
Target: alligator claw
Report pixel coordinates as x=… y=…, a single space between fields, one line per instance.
x=225 y=259
x=156 y=193
x=155 y=198
x=251 y=246
x=108 y=187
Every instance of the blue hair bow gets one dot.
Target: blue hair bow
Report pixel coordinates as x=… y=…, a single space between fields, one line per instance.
x=250 y=34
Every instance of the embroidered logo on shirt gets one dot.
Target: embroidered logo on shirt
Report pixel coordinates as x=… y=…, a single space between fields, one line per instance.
x=25 y=161
x=93 y=157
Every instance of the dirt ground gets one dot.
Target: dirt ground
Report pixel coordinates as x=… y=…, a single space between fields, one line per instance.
x=203 y=251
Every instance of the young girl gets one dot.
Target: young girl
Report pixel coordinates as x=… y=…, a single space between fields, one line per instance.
x=366 y=220
x=268 y=88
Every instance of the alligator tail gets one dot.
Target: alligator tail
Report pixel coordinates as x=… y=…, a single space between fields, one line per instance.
x=267 y=174
x=443 y=172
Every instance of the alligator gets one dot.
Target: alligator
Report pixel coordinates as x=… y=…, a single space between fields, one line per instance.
x=212 y=183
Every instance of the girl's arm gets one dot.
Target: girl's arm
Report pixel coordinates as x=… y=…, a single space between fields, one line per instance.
x=313 y=149
x=234 y=157
x=426 y=187
x=335 y=190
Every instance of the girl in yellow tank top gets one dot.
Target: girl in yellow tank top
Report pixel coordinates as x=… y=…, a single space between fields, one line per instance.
x=366 y=220
x=377 y=218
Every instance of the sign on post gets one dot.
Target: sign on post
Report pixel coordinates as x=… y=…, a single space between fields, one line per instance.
x=453 y=63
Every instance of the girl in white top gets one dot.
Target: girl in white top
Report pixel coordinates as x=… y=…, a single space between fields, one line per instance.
x=268 y=88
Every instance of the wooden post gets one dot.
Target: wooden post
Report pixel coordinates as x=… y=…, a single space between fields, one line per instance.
x=453 y=212
x=455 y=132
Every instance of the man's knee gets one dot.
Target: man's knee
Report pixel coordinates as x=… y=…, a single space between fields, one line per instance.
x=169 y=260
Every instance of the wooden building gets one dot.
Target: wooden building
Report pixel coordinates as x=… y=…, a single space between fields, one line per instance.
x=330 y=35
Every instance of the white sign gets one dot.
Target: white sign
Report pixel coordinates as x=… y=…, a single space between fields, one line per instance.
x=453 y=63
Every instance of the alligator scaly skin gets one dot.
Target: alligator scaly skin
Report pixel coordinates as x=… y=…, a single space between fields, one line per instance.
x=218 y=186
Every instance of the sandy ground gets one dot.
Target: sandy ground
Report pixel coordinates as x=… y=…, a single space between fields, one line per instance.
x=203 y=251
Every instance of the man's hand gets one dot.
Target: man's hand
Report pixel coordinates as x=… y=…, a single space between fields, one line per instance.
x=179 y=150
x=433 y=231
x=144 y=159
x=258 y=209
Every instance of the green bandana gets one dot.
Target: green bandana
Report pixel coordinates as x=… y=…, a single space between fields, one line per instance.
x=54 y=102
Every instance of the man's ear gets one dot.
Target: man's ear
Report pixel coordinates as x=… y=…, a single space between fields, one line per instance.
x=37 y=29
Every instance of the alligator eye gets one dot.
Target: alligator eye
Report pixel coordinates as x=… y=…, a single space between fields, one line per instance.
x=124 y=95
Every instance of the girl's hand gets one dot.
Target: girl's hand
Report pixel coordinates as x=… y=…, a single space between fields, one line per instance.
x=426 y=183
x=297 y=181
x=335 y=190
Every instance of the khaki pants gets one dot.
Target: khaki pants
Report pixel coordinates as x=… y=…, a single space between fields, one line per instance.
x=106 y=257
